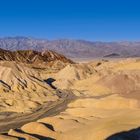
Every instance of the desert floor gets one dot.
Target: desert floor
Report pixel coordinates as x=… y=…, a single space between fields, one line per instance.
x=97 y=100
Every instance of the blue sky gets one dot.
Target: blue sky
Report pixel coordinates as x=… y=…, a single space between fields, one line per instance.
x=101 y=20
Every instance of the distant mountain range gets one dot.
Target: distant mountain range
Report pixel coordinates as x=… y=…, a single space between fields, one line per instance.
x=73 y=48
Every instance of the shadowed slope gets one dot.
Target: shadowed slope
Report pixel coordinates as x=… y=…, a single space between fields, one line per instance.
x=133 y=134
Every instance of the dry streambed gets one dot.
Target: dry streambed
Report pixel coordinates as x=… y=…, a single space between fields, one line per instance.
x=10 y=120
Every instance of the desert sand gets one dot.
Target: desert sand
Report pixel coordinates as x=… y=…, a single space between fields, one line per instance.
x=104 y=101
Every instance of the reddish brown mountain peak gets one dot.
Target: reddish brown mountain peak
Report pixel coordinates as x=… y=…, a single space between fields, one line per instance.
x=32 y=57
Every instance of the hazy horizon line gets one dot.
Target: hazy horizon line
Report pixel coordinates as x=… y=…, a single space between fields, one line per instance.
x=67 y=38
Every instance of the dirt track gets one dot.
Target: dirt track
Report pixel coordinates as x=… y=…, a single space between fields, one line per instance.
x=16 y=120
